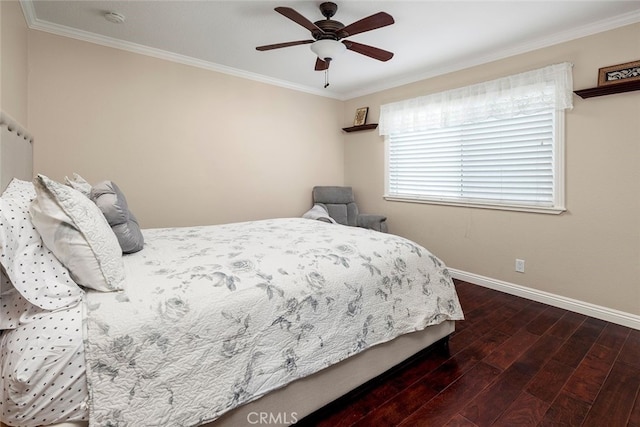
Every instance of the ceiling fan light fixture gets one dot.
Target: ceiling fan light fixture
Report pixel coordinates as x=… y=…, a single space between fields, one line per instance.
x=327 y=49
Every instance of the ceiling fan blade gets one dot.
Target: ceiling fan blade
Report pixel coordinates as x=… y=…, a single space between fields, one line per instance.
x=299 y=19
x=321 y=65
x=370 y=51
x=379 y=20
x=280 y=45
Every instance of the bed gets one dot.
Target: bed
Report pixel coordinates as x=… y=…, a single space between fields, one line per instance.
x=232 y=324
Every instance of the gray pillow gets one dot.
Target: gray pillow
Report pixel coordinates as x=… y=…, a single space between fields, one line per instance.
x=124 y=224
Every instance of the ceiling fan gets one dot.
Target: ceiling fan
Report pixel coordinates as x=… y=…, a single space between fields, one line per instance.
x=327 y=34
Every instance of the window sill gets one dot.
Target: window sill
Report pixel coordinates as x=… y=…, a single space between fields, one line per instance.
x=516 y=208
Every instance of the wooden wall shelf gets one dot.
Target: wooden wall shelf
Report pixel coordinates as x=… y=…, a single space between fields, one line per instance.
x=361 y=127
x=608 y=89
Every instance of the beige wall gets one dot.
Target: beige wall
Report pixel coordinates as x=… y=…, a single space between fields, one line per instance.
x=190 y=146
x=13 y=61
x=590 y=253
x=186 y=145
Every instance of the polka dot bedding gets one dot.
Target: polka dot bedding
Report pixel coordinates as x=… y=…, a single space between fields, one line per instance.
x=42 y=371
x=33 y=270
x=14 y=309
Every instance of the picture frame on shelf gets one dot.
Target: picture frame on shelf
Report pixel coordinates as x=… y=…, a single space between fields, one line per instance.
x=361 y=116
x=620 y=73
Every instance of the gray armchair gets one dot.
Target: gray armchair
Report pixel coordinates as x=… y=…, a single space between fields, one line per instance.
x=341 y=205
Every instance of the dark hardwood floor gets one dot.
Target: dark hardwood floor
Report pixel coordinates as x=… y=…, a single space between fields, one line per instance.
x=510 y=362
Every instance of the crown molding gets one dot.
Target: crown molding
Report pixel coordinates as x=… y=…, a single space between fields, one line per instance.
x=553 y=39
x=550 y=40
x=86 y=36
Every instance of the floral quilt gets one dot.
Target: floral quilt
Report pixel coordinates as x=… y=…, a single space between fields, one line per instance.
x=216 y=316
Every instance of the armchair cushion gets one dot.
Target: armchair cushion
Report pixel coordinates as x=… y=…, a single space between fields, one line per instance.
x=373 y=221
x=333 y=195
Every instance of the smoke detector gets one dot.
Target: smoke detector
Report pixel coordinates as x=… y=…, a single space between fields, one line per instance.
x=114 y=17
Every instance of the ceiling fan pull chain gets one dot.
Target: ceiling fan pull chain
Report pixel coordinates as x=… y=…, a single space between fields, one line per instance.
x=326 y=78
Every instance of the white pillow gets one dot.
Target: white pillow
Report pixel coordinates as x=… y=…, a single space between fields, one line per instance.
x=19 y=189
x=77 y=233
x=79 y=183
x=32 y=269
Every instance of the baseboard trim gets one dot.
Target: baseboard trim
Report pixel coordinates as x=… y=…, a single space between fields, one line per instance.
x=588 y=309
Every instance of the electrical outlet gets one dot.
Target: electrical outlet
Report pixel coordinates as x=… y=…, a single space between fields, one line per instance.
x=520 y=265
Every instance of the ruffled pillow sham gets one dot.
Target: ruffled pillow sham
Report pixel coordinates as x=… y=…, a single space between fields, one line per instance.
x=113 y=205
x=79 y=183
x=75 y=230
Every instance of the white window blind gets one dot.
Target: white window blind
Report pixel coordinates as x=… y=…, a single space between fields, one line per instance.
x=504 y=150
x=507 y=161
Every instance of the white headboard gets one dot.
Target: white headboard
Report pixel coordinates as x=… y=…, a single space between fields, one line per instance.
x=16 y=151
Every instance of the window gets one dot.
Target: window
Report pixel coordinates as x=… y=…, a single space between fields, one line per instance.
x=499 y=144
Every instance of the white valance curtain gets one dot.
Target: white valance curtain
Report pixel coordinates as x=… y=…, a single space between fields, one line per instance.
x=525 y=93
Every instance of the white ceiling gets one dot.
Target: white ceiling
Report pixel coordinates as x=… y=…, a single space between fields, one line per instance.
x=428 y=38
